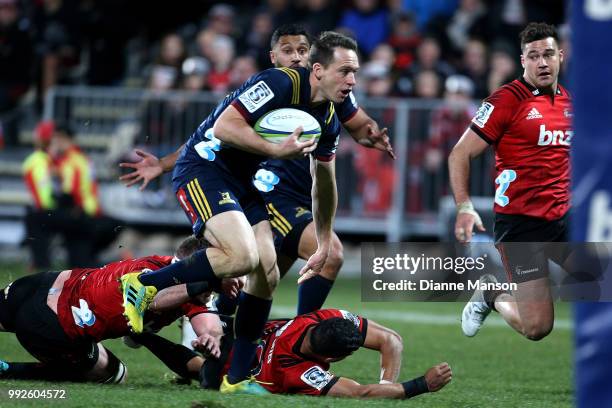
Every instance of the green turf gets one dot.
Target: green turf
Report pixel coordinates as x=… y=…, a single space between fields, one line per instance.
x=497 y=368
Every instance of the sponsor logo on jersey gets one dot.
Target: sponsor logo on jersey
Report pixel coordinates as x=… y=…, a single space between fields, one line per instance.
x=226 y=199
x=316 y=377
x=300 y=211
x=483 y=114
x=534 y=114
x=82 y=315
x=554 y=137
x=350 y=317
x=256 y=96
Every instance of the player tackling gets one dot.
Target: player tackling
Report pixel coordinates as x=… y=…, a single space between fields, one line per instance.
x=528 y=123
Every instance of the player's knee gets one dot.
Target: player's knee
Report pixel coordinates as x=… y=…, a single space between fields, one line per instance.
x=537 y=330
x=273 y=279
x=243 y=258
x=336 y=255
x=245 y=262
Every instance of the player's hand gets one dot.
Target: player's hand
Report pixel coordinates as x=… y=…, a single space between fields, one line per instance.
x=438 y=376
x=467 y=218
x=378 y=139
x=291 y=147
x=314 y=264
x=145 y=170
x=231 y=286
x=209 y=345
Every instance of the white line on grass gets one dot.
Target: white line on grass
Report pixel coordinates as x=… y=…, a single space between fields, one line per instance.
x=419 y=317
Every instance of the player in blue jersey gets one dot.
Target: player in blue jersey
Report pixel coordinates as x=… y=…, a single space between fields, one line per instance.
x=212 y=180
x=286 y=184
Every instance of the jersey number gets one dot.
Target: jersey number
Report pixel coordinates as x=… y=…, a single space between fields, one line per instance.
x=207 y=148
x=265 y=180
x=504 y=179
x=82 y=315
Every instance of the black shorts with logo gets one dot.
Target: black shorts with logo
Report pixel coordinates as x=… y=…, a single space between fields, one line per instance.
x=526 y=245
x=38 y=329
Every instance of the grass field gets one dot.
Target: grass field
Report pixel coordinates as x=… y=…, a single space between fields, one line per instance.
x=497 y=368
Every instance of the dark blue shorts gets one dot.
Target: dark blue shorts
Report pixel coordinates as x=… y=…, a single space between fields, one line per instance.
x=204 y=190
x=289 y=217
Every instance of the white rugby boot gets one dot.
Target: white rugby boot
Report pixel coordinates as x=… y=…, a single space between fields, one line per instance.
x=476 y=310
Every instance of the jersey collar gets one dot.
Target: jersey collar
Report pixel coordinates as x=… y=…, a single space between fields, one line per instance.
x=535 y=91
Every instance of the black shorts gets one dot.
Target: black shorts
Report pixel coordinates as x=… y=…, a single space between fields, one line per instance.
x=289 y=218
x=204 y=190
x=38 y=329
x=526 y=244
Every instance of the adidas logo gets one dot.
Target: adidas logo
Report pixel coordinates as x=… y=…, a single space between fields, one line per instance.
x=534 y=114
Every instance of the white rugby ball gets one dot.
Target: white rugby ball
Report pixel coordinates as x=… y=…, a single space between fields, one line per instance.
x=275 y=126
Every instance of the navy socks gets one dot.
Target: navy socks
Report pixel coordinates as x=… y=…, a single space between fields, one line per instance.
x=195 y=268
x=312 y=294
x=250 y=320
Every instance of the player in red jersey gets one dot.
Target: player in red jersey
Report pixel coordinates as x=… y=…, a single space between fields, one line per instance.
x=60 y=318
x=294 y=357
x=528 y=123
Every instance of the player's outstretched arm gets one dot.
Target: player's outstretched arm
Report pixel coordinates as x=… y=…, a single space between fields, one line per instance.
x=208 y=328
x=324 y=201
x=232 y=128
x=434 y=379
x=390 y=346
x=365 y=131
x=149 y=168
x=468 y=147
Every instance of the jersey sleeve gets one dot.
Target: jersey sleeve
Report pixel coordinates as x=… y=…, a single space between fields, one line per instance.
x=330 y=137
x=191 y=309
x=309 y=379
x=347 y=109
x=268 y=90
x=494 y=115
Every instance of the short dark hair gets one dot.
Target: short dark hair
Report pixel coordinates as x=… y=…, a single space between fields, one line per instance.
x=322 y=50
x=538 y=31
x=335 y=337
x=288 y=29
x=189 y=246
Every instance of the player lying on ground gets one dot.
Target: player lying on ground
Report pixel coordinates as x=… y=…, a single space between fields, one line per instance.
x=294 y=357
x=528 y=123
x=61 y=318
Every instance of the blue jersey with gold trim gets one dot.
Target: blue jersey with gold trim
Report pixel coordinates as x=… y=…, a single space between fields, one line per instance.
x=292 y=177
x=268 y=90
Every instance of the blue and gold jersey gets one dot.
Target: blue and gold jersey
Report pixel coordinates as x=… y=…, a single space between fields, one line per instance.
x=292 y=178
x=266 y=91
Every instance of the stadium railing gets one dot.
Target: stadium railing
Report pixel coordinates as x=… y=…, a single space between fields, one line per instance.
x=377 y=196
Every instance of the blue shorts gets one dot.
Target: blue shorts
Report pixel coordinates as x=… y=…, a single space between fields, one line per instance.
x=289 y=217
x=204 y=190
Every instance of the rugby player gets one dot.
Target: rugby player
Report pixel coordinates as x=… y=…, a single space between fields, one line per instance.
x=294 y=357
x=60 y=318
x=528 y=123
x=212 y=181
x=286 y=184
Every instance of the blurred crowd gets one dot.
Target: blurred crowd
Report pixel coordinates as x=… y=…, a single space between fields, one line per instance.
x=408 y=47
x=455 y=50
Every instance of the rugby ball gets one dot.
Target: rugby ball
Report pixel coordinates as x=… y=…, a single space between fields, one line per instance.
x=275 y=126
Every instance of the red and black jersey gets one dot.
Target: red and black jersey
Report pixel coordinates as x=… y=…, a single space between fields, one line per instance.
x=91 y=303
x=531 y=133
x=283 y=369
